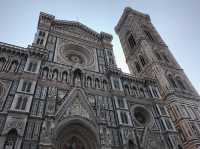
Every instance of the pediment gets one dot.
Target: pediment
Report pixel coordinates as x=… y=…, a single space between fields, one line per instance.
x=76 y=28
x=75 y=105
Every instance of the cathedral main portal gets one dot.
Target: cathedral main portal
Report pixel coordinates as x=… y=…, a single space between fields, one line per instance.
x=76 y=135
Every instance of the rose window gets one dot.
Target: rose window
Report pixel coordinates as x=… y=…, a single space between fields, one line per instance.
x=73 y=54
x=142 y=116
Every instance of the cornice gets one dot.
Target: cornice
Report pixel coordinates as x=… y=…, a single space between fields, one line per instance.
x=16 y=50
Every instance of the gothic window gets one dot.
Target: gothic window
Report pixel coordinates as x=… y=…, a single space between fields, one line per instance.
x=143 y=62
x=21 y=103
x=149 y=36
x=131 y=41
x=40 y=41
x=33 y=130
x=11 y=139
x=26 y=86
x=180 y=83
x=116 y=84
x=124 y=117
x=171 y=81
x=120 y=102
x=137 y=65
x=42 y=34
x=32 y=66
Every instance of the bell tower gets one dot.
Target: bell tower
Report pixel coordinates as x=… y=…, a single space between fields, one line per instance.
x=148 y=56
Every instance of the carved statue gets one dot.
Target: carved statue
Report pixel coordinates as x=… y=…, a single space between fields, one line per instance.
x=45 y=74
x=47 y=131
x=55 y=75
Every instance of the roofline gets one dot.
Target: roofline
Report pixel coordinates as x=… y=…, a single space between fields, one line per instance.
x=126 y=12
x=78 y=24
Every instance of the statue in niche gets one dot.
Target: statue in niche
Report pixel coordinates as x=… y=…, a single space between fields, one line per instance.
x=47 y=131
x=77 y=77
x=55 y=75
x=45 y=73
x=64 y=77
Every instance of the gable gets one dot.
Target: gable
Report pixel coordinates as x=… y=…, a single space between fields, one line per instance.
x=75 y=105
x=76 y=29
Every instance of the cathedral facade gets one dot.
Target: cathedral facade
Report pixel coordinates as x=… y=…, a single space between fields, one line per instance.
x=65 y=90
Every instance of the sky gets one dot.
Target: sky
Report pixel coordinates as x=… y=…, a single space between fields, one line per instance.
x=177 y=21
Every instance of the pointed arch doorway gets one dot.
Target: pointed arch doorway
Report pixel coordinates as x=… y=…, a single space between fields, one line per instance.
x=77 y=133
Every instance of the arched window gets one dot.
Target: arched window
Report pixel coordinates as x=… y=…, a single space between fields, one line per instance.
x=180 y=83
x=21 y=103
x=11 y=139
x=171 y=81
x=142 y=60
x=131 y=41
x=130 y=144
x=137 y=65
x=149 y=36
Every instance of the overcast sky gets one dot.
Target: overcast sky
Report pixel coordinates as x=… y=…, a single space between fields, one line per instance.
x=178 y=22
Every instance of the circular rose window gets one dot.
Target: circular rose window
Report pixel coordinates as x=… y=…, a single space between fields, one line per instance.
x=142 y=116
x=74 y=54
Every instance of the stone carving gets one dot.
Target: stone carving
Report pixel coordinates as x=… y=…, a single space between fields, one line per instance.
x=77 y=108
x=47 y=131
x=14 y=122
